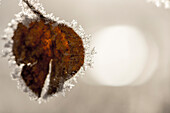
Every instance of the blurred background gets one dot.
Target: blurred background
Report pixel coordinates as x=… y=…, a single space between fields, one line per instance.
x=131 y=68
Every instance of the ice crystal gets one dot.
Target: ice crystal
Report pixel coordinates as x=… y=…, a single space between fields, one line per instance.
x=25 y=16
x=159 y=3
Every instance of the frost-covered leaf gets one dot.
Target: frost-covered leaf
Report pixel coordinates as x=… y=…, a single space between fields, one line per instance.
x=33 y=34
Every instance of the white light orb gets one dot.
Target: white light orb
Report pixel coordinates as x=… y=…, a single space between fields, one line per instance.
x=122 y=54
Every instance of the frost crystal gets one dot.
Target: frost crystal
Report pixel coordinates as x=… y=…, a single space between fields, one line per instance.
x=159 y=3
x=25 y=17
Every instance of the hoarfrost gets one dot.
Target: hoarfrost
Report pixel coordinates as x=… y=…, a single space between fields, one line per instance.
x=159 y=3
x=26 y=16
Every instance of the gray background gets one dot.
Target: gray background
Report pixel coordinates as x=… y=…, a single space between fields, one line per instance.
x=151 y=97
